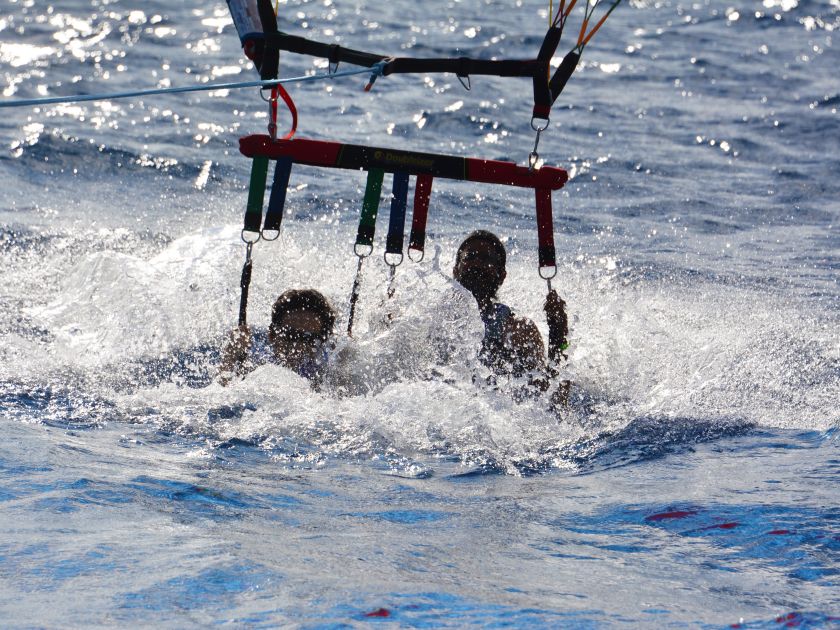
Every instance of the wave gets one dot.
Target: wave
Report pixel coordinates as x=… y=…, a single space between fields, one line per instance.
x=658 y=359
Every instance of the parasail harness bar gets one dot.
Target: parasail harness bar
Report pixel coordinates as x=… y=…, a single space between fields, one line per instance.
x=377 y=161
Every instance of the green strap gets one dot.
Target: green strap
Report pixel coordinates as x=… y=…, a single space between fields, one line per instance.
x=370 y=207
x=256 y=194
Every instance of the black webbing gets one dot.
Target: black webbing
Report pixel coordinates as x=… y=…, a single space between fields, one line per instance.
x=271 y=53
x=542 y=94
x=462 y=66
x=332 y=52
x=563 y=74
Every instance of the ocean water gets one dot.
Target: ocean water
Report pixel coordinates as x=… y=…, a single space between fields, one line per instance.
x=693 y=479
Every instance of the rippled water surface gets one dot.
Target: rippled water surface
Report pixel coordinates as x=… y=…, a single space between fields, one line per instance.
x=691 y=481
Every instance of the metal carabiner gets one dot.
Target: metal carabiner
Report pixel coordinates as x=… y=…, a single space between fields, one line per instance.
x=272 y=111
x=534 y=156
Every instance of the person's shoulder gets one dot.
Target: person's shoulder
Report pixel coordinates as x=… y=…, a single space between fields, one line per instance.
x=503 y=311
x=496 y=315
x=260 y=347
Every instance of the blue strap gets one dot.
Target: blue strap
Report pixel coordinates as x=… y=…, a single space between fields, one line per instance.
x=277 y=200
x=396 y=225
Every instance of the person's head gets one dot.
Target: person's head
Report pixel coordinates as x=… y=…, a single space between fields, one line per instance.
x=480 y=264
x=301 y=321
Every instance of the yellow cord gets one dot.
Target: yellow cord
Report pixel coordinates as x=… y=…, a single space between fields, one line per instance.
x=550 y=12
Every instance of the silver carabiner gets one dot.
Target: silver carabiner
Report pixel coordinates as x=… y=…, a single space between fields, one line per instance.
x=534 y=156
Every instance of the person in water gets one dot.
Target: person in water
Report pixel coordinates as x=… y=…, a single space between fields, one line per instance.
x=302 y=322
x=511 y=345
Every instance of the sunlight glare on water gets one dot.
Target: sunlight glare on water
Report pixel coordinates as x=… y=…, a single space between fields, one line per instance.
x=691 y=480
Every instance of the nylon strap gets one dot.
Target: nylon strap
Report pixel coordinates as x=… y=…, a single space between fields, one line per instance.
x=422 y=191
x=370 y=208
x=545 y=229
x=563 y=74
x=277 y=199
x=396 y=224
x=542 y=94
x=256 y=194
x=271 y=52
x=462 y=66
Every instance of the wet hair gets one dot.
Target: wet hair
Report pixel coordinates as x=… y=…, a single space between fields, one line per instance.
x=487 y=237
x=300 y=300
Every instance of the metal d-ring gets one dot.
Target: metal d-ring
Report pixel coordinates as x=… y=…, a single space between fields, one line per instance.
x=412 y=258
x=553 y=273
x=539 y=128
x=393 y=265
x=248 y=241
x=273 y=238
x=358 y=253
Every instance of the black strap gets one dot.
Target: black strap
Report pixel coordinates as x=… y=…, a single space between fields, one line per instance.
x=563 y=74
x=542 y=93
x=461 y=66
x=332 y=52
x=271 y=52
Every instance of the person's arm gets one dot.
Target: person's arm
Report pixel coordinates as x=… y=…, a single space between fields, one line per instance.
x=235 y=354
x=558 y=327
x=558 y=342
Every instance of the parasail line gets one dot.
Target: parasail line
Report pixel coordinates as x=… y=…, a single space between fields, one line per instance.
x=80 y=98
x=600 y=22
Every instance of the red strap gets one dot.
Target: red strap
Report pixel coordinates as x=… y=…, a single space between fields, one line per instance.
x=281 y=91
x=542 y=111
x=422 y=190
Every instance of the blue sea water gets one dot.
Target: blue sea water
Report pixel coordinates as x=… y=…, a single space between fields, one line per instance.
x=693 y=480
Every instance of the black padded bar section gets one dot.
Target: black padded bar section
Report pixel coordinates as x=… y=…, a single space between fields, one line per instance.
x=563 y=74
x=356 y=156
x=270 y=60
x=462 y=66
x=542 y=92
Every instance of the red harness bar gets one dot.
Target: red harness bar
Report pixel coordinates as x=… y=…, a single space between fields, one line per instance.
x=355 y=157
x=426 y=166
